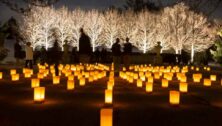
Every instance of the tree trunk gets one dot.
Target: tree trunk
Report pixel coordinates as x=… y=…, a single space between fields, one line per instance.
x=192 y=53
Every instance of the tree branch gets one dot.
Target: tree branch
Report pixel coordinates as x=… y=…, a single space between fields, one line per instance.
x=22 y=10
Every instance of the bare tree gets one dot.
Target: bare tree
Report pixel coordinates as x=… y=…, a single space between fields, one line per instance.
x=146 y=31
x=63 y=25
x=47 y=25
x=94 y=27
x=30 y=29
x=111 y=27
x=128 y=26
x=198 y=34
x=77 y=21
x=176 y=17
x=189 y=30
x=163 y=31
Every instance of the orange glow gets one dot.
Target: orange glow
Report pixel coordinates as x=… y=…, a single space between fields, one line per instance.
x=79 y=76
x=213 y=77
x=87 y=74
x=165 y=83
x=183 y=79
x=40 y=75
x=106 y=117
x=131 y=80
x=197 y=77
x=110 y=86
x=150 y=79
x=207 y=82
x=39 y=94
x=15 y=77
x=183 y=87
x=139 y=83
x=157 y=75
x=111 y=78
x=149 y=87
x=68 y=73
x=71 y=77
x=143 y=78
x=169 y=76
x=174 y=98
x=12 y=71
x=1 y=75
x=24 y=70
x=135 y=76
x=108 y=96
x=148 y=74
x=35 y=83
x=56 y=80
x=28 y=75
x=82 y=81
x=111 y=82
x=70 y=85
x=91 y=79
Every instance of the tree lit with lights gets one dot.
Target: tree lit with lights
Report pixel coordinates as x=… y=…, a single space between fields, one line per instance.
x=94 y=27
x=63 y=25
x=176 y=27
x=111 y=27
x=189 y=30
x=77 y=22
x=129 y=27
x=146 y=26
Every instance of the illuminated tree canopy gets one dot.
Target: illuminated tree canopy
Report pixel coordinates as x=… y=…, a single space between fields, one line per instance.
x=94 y=27
x=177 y=28
x=220 y=33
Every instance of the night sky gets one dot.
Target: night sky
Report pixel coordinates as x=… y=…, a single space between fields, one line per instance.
x=6 y=13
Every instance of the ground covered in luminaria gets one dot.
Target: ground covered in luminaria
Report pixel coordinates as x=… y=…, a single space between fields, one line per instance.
x=132 y=106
